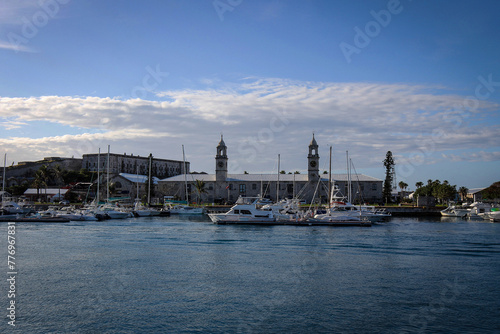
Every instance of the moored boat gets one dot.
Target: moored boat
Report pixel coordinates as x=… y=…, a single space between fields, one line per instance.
x=247 y=210
x=455 y=211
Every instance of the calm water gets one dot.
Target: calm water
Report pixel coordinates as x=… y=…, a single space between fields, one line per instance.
x=173 y=275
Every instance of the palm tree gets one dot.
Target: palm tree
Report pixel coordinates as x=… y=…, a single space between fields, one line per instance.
x=200 y=188
x=403 y=186
x=39 y=182
x=44 y=174
x=463 y=192
x=419 y=184
x=57 y=173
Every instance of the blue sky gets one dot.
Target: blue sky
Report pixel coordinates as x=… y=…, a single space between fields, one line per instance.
x=419 y=78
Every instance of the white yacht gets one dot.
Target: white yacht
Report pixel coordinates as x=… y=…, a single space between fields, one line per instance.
x=112 y=212
x=75 y=214
x=479 y=210
x=141 y=210
x=339 y=220
x=455 y=211
x=182 y=209
x=247 y=210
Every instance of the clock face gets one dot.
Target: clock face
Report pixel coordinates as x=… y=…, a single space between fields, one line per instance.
x=221 y=164
x=313 y=164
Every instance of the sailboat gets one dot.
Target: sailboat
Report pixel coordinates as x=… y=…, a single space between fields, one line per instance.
x=334 y=216
x=108 y=209
x=141 y=210
x=182 y=209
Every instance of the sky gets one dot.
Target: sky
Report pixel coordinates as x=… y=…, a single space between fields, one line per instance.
x=418 y=78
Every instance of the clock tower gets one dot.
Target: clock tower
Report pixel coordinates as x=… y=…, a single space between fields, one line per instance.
x=313 y=161
x=221 y=161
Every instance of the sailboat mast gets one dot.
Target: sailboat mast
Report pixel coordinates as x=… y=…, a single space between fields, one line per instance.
x=149 y=178
x=185 y=175
x=3 y=178
x=98 y=178
x=136 y=181
x=107 y=178
x=330 y=180
x=278 y=183
x=348 y=178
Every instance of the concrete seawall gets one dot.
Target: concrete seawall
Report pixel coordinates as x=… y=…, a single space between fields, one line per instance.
x=402 y=211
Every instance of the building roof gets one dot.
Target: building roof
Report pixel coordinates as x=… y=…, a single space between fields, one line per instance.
x=475 y=190
x=269 y=178
x=134 y=178
x=43 y=191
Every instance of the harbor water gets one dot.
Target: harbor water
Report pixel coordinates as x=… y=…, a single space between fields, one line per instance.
x=187 y=275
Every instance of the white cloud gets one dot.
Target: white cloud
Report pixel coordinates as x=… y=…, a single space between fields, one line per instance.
x=259 y=118
x=15 y=47
x=473 y=157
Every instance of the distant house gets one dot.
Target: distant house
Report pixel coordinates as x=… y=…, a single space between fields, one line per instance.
x=475 y=194
x=125 y=185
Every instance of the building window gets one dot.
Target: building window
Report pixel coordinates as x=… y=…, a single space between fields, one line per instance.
x=254 y=186
x=230 y=186
x=243 y=188
x=374 y=186
x=289 y=188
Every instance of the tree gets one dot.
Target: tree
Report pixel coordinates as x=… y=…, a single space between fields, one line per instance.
x=282 y=172
x=57 y=174
x=492 y=192
x=38 y=182
x=403 y=186
x=200 y=188
x=42 y=177
x=389 y=176
x=463 y=193
x=419 y=184
x=442 y=191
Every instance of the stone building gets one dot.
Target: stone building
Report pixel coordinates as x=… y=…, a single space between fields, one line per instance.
x=225 y=187
x=24 y=171
x=130 y=164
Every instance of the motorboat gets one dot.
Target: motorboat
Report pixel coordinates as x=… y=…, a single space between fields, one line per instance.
x=339 y=206
x=285 y=210
x=112 y=212
x=494 y=216
x=141 y=210
x=338 y=220
x=74 y=214
x=11 y=207
x=479 y=210
x=182 y=209
x=455 y=211
x=247 y=210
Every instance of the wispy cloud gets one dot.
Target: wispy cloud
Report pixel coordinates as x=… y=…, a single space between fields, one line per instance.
x=20 y=21
x=473 y=157
x=15 y=47
x=260 y=118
